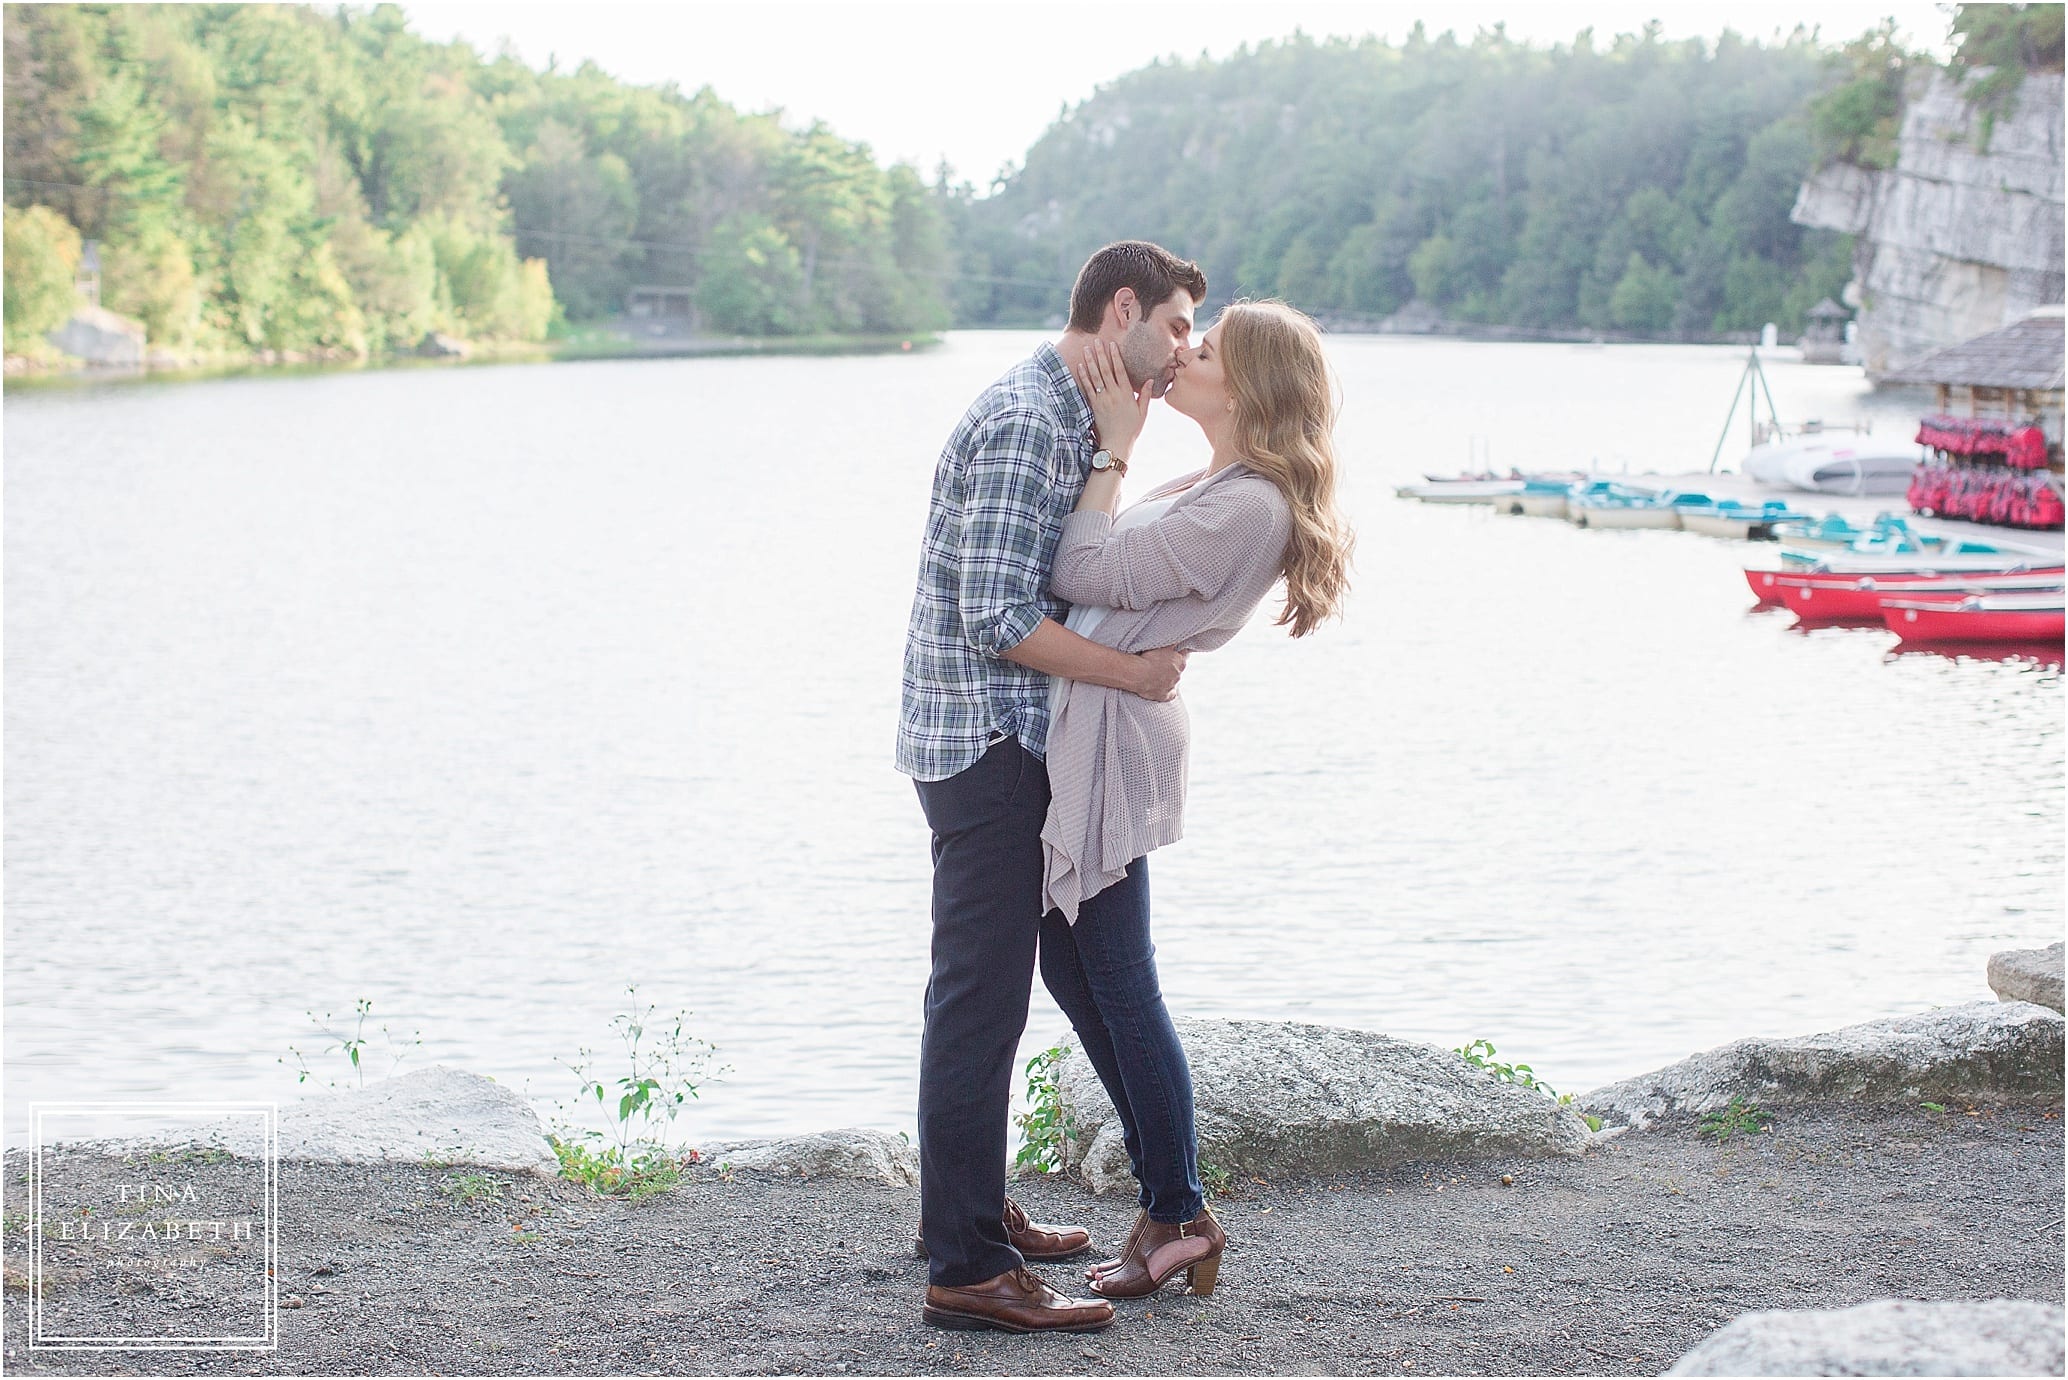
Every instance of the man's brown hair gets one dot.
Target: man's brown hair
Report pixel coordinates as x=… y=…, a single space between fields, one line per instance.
x=1155 y=274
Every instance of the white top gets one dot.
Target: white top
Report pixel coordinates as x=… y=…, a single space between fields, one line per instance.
x=1082 y=618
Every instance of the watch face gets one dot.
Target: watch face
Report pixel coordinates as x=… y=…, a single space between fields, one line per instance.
x=1102 y=460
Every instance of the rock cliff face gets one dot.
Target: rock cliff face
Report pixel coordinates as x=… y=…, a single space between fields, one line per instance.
x=1953 y=242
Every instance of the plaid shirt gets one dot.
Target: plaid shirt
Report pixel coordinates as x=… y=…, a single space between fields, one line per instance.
x=1010 y=473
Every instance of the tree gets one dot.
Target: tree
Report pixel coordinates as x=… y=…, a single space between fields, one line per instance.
x=1855 y=120
x=577 y=212
x=42 y=250
x=1644 y=298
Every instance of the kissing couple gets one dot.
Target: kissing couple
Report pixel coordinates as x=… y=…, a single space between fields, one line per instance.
x=1041 y=724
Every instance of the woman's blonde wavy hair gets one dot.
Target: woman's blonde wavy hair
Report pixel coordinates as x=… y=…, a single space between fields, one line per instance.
x=1283 y=428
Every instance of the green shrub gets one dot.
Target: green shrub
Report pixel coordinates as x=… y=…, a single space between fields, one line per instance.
x=42 y=270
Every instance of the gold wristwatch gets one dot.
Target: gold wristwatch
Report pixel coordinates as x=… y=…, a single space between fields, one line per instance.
x=1103 y=460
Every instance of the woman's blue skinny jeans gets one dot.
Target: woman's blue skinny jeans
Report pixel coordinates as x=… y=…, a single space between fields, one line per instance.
x=1102 y=973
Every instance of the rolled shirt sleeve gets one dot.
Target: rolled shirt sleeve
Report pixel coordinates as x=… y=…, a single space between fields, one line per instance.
x=1003 y=539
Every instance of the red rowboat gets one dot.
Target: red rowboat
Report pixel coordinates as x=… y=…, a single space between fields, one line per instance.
x=1767 y=586
x=1832 y=598
x=1763 y=587
x=1978 y=618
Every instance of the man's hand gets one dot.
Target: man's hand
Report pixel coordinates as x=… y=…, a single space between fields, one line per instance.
x=1159 y=672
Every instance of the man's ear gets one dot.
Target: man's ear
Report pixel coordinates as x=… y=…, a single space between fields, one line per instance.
x=1125 y=305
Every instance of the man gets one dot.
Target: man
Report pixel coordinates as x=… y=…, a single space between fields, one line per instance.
x=984 y=639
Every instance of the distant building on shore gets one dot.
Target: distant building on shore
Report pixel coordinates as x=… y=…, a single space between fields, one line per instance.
x=1824 y=341
x=662 y=309
x=2014 y=374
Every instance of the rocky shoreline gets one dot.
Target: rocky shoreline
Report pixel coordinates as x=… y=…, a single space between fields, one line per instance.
x=1388 y=1213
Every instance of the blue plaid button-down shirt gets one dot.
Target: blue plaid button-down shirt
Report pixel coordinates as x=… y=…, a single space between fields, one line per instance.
x=1011 y=472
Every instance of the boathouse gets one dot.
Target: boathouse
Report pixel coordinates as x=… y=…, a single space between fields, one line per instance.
x=2011 y=376
x=658 y=302
x=1996 y=438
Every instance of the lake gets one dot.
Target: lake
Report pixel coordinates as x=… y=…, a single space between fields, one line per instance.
x=482 y=692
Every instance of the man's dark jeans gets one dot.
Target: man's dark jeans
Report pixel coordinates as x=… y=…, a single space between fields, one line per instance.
x=1102 y=973
x=986 y=823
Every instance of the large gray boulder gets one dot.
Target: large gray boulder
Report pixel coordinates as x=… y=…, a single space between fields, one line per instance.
x=100 y=336
x=1887 y=1337
x=437 y=345
x=1983 y=1051
x=871 y=1156
x=1279 y=1097
x=437 y=1113
x=2032 y=975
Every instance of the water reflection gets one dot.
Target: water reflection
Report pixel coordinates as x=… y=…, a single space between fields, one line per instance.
x=2038 y=656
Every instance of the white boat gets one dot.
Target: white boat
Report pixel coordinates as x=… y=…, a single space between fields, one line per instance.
x=1461 y=491
x=1923 y=563
x=1834 y=462
x=1734 y=525
x=1624 y=514
x=1539 y=505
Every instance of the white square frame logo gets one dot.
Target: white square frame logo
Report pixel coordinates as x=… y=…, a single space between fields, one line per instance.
x=268 y=1114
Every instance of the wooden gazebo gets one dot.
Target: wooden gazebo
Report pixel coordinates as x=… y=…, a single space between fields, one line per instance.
x=1824 y=340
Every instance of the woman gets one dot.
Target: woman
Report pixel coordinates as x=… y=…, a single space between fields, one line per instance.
x=1187 y=566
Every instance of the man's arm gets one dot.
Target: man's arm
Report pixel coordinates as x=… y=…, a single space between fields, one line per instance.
x=1054 y=650
x=1002 y=572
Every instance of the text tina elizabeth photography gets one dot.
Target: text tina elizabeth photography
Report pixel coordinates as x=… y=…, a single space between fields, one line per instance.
x=611 y=608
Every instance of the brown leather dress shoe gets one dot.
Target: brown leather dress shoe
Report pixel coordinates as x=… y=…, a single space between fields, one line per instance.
x=1161 y=1249
x=1033 y=1240
x=1016 y=1301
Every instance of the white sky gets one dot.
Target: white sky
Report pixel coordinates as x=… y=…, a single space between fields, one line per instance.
x=978 y=81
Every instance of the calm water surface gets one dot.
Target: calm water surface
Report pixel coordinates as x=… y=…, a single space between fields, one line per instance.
x=484 y=692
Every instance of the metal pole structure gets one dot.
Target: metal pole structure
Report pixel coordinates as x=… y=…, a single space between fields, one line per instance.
x=1773 y=413
x=1728 y=418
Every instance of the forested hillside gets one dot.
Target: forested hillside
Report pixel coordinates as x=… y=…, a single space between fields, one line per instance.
x=284 y=178
x=1635 y=184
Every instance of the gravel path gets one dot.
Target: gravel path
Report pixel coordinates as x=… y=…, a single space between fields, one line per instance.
x=1615 y=1263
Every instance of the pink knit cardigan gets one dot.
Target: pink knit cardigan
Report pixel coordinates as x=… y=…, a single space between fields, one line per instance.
x=1190 y=578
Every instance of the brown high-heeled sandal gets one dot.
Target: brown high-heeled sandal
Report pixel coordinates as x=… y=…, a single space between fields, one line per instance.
x=1160 y=1250
x=1126 y=1249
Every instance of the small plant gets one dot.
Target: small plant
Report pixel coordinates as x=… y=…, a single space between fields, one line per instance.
x=1933 y=1106
x=612 y=1172
x=1041 y=1125
x=352 y=1046
x=1480 y=1055
x=474 y=1188
x=1217 y=1181
x=1593 y=1121
x=1739 y=1117
x=640 y=1105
